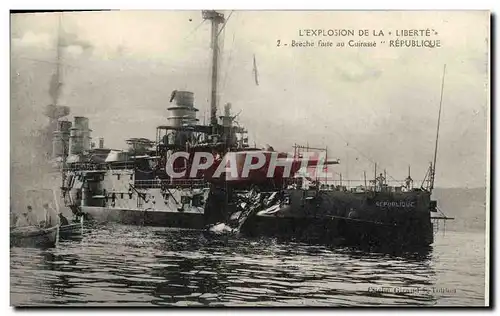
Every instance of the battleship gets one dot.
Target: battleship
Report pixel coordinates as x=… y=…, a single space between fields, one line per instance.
x=135 y=185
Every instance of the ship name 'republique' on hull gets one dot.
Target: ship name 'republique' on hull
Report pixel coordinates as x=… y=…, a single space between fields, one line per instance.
x=134 y=186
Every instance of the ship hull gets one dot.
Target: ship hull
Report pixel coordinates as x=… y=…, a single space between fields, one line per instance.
x=372 y=219
x=405 y=235
x=156 y=218
x=339 y=231
x=298 y=229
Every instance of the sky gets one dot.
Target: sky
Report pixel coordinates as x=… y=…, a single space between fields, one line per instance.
x=366 y=105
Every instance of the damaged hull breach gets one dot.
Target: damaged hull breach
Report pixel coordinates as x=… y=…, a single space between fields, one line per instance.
x=334 y=217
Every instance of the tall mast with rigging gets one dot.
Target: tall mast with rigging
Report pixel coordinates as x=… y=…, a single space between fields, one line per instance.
x=56 y=82
x=433 y=171
x=55 y=111
x=216 y=19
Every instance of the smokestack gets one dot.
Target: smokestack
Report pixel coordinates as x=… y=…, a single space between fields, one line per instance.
x=101 y=143
x=79 y=140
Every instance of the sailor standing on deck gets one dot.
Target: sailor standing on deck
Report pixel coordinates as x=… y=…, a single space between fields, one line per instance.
x=381 y=182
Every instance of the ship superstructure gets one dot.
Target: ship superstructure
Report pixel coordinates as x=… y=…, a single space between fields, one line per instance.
x=132 y=185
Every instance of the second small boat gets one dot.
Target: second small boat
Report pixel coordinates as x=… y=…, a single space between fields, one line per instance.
x=71 y=231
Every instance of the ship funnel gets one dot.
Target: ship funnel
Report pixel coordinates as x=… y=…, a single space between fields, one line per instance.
x=182 y=111
x=182 y=116
x=60 y=139
x=79 y=140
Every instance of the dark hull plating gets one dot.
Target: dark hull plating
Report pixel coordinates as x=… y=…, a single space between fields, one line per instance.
x=157 y=218
x=392 y=219
x=340 y=231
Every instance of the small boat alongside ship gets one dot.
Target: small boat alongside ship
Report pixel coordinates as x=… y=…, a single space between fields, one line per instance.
x=41 y=236
x=34 y=236
x=71 y=231
x=38 y=237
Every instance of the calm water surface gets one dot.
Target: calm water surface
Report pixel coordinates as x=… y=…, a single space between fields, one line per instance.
x=118 y=265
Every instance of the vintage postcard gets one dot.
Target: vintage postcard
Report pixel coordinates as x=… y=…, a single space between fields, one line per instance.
x=250 y=158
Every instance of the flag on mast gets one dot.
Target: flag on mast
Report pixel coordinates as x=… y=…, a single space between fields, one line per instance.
x=256 y=75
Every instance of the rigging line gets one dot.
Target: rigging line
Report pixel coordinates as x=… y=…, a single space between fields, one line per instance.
x=224 y=25
x=206 y=111
x=365 y=156
x=220 y=66
x=354 y=147
x=194 y=30
x=437 y=132
x=228 y=64
x=58 y=43
x=425 y=178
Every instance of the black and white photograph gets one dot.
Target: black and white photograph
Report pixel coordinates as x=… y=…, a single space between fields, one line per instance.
x=250 y=158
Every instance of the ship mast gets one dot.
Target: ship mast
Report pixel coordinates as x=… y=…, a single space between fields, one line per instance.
x=216 y=19
x=59 y=53
x=56 y=82
x=56 y=101
x=433 y=171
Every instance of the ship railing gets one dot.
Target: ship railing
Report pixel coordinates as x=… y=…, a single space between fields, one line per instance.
x=79 y=166
x=121 y=165
x=349 y=185
x=170 y=183
x=85 y=166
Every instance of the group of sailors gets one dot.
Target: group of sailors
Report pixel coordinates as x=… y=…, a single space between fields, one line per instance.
x=49 y=217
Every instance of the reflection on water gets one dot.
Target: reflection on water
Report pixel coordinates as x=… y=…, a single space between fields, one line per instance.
x=129 y=265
